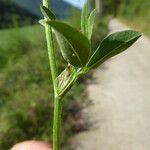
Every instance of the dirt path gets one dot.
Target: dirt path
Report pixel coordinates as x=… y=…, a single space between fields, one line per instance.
x=121 y=101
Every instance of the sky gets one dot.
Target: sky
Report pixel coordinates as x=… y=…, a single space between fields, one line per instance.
x=76 y=3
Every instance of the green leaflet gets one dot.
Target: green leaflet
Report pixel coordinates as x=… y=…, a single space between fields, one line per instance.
x=91 y=23
x=75 y=47
x=87 y=21
x=67 y=50
x=84 y=19
x=112 y=45
x=47 y=13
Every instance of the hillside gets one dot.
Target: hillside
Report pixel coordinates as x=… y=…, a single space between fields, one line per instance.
x=59 y=7
x=13 y=15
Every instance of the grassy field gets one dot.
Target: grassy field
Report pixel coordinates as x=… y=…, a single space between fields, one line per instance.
x=136 y=14
x=26 y=99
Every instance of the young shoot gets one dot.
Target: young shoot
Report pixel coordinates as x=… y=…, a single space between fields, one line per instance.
x=75 y=47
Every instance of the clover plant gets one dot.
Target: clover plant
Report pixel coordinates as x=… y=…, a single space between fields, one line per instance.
x=75 y=47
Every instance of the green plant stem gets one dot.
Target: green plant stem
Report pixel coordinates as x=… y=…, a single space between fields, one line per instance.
x=57 y=123
x=57 y=100
x=51 y=53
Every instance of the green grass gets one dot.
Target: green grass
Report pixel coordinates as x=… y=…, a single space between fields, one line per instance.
x=136 y=14
x=26 y=100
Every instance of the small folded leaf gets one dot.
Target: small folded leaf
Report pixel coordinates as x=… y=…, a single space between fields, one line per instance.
x=84 y=19
x=91 y=23
x=47 y=13
x=65 y=79
x=78 y=47
x=113 y=45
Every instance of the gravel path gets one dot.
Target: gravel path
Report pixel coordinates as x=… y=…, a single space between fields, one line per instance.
x=120 y=112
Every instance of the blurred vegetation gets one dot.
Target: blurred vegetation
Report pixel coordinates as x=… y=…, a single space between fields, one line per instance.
x=100 y=31
x=135 y=13
x=26 y=100
x=11 y=15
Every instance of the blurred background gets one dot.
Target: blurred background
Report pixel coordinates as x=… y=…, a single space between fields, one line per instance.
x=26 y=99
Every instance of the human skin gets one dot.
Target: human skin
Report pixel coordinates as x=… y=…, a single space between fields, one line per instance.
x=32 y=145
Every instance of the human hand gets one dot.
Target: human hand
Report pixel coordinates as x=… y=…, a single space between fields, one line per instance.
x=32 y=145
